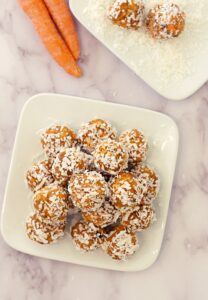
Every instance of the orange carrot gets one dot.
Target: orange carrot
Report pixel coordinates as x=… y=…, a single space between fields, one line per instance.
x=62 y=17
x=38 y=13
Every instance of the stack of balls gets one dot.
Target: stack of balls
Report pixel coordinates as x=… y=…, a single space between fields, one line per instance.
x=102 y=175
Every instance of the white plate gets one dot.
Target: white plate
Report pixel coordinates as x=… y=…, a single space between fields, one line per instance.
x=41 y=111
x=174 y=68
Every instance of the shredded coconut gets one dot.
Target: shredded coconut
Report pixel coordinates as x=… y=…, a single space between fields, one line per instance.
x=56 y=137
x=127 y=13
x=136 y=145
x=139 y=219
x=86 y=236
x=120 y=244
x=42 y=231
x=94 y=131
x=148 y=177
x=69 y=161
x=169 y=61
x=39 y=175
x=51 y=203
x=88 y=190
x=126 y=191
x=110 y=157
x=165 y=21
x=103 y=216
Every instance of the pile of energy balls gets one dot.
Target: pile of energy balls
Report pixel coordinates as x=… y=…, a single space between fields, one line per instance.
x=99 y=176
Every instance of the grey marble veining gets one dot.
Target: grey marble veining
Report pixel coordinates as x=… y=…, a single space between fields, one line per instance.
x=181 y=271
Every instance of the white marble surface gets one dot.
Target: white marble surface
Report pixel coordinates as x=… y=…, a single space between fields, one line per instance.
x=181 y=271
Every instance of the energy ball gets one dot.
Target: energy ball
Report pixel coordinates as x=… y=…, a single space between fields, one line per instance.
x=148 y=177
x=135 y=143
x=126 y=192
x=94 y=131
x=86 y=236
x=52 y=203
x=88 y=190
x=165 y=21
x=139 y=219
x=103 y=216
x=43 y=232
x=110 y=157
x=128 y=14
x=67 y=162
x=56 y=137
x=120 y=244
x=39 y=175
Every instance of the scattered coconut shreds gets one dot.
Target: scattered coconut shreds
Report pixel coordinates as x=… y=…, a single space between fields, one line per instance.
x=171 y=60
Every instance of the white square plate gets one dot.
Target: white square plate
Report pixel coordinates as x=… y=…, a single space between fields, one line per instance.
x=38 y=113
x=175 y=68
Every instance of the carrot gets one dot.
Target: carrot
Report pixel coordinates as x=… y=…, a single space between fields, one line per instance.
x=38 y=13
x=62 y=17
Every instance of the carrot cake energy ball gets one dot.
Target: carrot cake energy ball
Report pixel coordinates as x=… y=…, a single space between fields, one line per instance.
x=102 y=217
x=86 y=236
x=148 y=177
x=110 y=157
x=67 y=162
x=88 y=190
x=51 y=203
x=39 y=175
x=127 y=13
x=120 y=244
x=94 y=131
x=126 y=192
x=55 y=138
x=165 y=21
x=138 y=219
x=136 y=145
x=43 y=232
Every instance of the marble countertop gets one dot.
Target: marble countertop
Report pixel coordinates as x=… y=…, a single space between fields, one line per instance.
x=181 y=270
